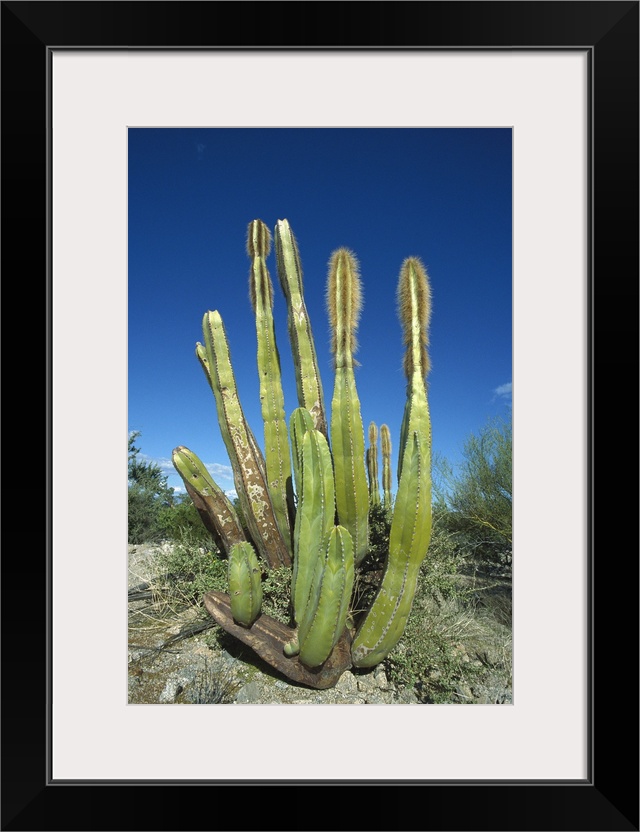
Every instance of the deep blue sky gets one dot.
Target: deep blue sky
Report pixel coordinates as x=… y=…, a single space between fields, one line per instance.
x=444 y=195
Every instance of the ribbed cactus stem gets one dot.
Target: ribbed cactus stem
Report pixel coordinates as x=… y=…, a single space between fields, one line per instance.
x=314 y=519
x=213 y=505
x=308 y=382
x=300 y=422
x=385 y=441
x=384 y=623
x=414 y=305
x=325 y=620
x=347 y=432
x=276 y=445
x=372 y=465
x=245 y=584
x=245 y=456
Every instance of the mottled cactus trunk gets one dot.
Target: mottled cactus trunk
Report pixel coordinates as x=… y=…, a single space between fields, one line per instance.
x=246 y=459
x=213 y=505
x=347 y=432
x=276 y=442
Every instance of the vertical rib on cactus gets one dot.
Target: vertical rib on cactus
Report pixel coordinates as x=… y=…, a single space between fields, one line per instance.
x=245 y=584
x=246 y=459
x=314 y=518
x=372 y=465
x=384 y=623
x=308 y=382
x=385 y=438
x=276 y=445
x=414 y=305
x=347 y=432
x=325 y=620
x=300 y=422
x=213 y=505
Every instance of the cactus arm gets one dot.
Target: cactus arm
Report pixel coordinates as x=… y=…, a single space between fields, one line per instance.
x=414 y=304
x=372 y=465
x=385 y=440
x=308 y=382
x=323 y=625
x=244 y=454
x=383 y=625
x=213 y=505
x=245 y=584
x=314 y=519
x=276 y=445
x=301 y=421
x=347 y=431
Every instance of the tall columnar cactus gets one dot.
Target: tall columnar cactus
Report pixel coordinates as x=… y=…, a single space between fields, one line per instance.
x=372 y=465
x=383 y=625
x=347 y=433
x=308 y=381
x=385 y=441
x=276 y=439
x=306 y=500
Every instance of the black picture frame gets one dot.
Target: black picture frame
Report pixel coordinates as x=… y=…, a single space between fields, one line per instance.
x=608 y=798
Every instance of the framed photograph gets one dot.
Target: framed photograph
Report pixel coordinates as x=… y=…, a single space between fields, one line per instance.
x=561 y=81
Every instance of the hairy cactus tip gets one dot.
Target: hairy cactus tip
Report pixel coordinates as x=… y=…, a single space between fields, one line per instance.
x=414 y=308
x=258 y=248
x=344 y=304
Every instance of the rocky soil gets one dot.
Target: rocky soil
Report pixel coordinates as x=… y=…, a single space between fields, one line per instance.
x=205 y=667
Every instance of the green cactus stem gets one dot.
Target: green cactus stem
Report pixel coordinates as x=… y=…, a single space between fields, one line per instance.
x=325 y=621
x=314 y=521
x=213 y=505
x=300 y=422
x=245 y=584
x=347 y=432
x=246 y=459
x=414 y=305
x=384 y=623
x=385 y=441
x=276 y=444
x=372 y=465
x=308 y=382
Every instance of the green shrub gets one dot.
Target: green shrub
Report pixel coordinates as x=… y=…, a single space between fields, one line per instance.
x=148 y=496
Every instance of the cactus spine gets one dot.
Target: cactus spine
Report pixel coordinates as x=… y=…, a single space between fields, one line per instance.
x=276 y=443
x=308 y=382
x=245 y=584
x=246 y=459
x=385 y=440
x=347 y=432
x=372 y=465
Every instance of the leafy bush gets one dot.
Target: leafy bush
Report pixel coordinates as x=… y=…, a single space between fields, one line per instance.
x=149 y=494
x=475 y=498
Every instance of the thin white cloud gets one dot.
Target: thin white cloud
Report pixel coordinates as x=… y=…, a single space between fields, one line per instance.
x=503 y=392
x=216 y=469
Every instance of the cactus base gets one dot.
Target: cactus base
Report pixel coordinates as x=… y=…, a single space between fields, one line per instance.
x=267 y=637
